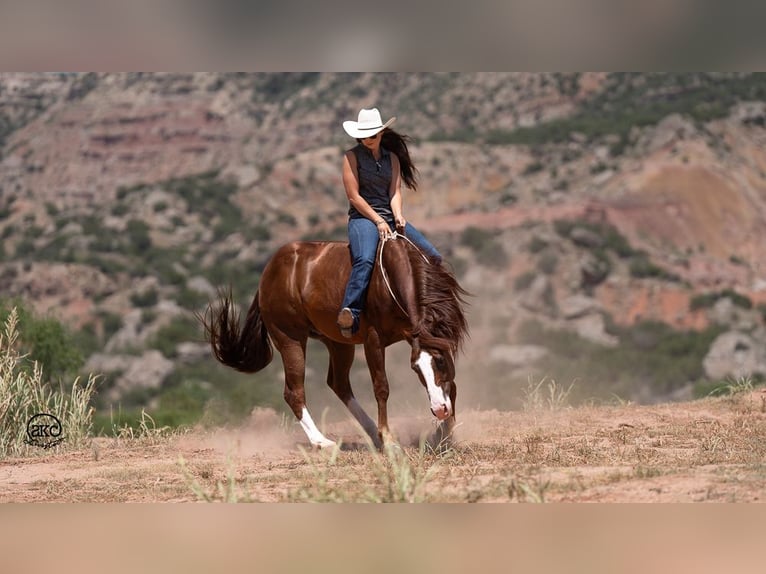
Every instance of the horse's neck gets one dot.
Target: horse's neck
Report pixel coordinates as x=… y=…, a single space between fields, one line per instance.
x=401 y=279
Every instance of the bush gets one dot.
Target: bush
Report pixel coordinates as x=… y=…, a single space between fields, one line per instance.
x=46 y=342
x=148 y=298
x=492 y=254
x=707 y=300
x=489 y=251
x=475 y=237
x=533 y=167
x=191 y=299
x=536 y=245
x=651 y=355
x=630 y=100
x=138 y=234
x=641 y=267
x=181 y=329
x=547 y=263
x=610 y=237
x=23 y=393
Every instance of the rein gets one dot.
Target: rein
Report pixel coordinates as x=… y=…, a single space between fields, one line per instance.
x=395 y=235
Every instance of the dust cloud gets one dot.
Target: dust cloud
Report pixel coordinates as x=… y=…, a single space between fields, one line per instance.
x=266 y=432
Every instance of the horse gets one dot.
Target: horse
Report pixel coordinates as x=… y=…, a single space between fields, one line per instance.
x=409 y=297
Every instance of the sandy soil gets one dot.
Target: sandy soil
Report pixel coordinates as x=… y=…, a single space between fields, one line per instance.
x=708 y=450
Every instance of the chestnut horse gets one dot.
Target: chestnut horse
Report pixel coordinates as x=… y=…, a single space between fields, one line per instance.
x=409 y=298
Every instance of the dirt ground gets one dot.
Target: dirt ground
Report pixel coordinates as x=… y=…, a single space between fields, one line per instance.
x=711 y=450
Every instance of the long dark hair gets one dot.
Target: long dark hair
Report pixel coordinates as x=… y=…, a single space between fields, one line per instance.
x=397 y=143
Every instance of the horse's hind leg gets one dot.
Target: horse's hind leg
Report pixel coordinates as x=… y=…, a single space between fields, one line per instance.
x=341 y=358
x=294 y=361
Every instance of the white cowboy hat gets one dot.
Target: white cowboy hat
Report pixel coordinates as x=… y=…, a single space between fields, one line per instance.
x=368 y=125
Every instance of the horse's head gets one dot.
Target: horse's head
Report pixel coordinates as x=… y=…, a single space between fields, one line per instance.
x=435 y=367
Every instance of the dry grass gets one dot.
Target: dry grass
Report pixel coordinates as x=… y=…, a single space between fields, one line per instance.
x=708 y=450
x=24 y=394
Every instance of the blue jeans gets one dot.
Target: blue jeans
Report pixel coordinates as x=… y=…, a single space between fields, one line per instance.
x=363 y=241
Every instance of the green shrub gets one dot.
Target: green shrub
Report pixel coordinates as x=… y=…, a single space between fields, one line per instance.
x=191 y=299
x=138 y=236
x=707 y=300
x=492 y=254
x=610 y=236
x=737 y=299
x=148 y=298
x=564 y=227
x=213 y=394
x=475 y=238
x=649 y=355
x=596 y=269
x=120 y=209
x=163 y=264
x=703 y=301
x=547 y=263
x=641 y=267
x=45 y=341
x=536 y=245
x=24 y=393
x=638 y=100
x=25 y=247
x=533 y=167
x=180 y=329
x=488 y=250
x=111 y=323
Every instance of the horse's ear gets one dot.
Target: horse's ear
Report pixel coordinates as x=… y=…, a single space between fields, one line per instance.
x=415 y=344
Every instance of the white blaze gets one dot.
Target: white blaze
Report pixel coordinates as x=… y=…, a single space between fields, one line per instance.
x=315 y=436
x=435 y=393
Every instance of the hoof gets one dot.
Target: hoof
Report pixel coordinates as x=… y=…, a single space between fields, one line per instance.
x=442 y=439
x=325 y=444
x=387 y=440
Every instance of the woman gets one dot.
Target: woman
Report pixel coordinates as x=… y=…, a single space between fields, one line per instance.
x=372 y=174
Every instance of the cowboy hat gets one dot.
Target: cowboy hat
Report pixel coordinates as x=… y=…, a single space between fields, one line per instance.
x=368 y=125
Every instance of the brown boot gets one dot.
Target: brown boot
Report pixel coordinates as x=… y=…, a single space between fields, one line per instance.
x=346 y=322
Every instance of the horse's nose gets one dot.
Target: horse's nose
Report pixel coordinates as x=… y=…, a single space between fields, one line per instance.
x=441 y=412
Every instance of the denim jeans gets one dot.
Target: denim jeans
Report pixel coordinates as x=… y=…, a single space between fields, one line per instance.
x=363 y=241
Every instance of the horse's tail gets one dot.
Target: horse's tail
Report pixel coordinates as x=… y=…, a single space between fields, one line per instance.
x=246 y=349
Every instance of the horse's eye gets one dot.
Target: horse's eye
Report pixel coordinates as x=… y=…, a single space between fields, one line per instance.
x=439 y=362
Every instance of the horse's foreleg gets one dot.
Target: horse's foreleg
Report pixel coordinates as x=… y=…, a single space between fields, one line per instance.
x=294 y=361
x=375 y=354
x=442 y=438
x=341 y=359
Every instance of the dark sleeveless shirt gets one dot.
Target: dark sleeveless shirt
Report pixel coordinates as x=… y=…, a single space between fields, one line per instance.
x=374 y=182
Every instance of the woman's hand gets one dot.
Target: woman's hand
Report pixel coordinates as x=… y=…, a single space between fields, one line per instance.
x=384 y=231
x=401 y=223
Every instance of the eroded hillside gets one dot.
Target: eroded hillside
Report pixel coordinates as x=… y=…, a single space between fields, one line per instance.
x=597 y=219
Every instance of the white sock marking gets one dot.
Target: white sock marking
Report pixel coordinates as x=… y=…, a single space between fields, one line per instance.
x=316 y=438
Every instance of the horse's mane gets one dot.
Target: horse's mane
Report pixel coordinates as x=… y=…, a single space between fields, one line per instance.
x=441 y=298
